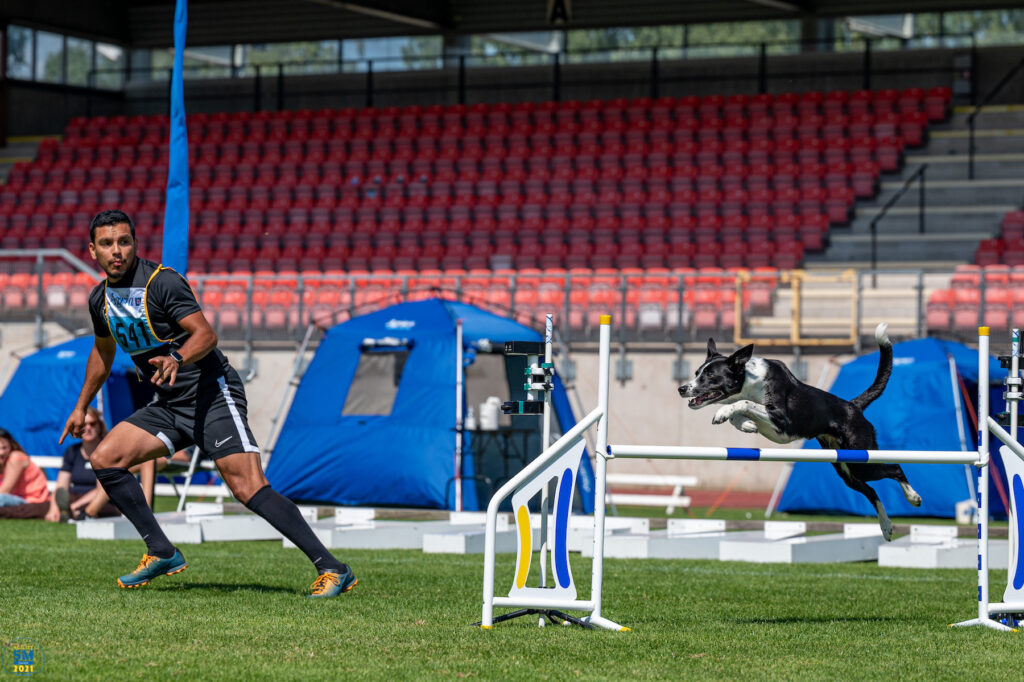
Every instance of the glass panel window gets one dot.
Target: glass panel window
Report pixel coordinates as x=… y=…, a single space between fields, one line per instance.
x=514 y=49
x=49 y=57
x=392 y=54
x=19 y=52
x=208 y=61
x=79 y=61
x=160 y=63
x=741 y=38
x=301 y=57
x=599 y=39
x=109 y=66
x=990 y=27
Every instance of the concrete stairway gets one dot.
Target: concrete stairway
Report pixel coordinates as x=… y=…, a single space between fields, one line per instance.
x=17 y=149
x=959 y=212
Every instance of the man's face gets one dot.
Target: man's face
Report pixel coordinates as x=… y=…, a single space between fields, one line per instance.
x=114 y=249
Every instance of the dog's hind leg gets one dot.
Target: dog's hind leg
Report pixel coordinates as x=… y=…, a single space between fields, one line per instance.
x=908 y=491
x=867 y=491
x=911 y=494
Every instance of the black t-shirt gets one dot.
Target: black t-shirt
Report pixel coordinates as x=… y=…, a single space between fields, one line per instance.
x=142 y=311
x=83 y=479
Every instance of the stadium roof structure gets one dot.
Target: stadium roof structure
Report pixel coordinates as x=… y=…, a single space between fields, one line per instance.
x=147 y=23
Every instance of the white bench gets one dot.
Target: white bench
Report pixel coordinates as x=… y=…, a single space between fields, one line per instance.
x=670 y=500
x=161 y=489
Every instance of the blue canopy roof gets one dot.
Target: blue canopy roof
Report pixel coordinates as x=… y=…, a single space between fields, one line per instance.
x=917 y=411
x=39 y=397
x=405 y=458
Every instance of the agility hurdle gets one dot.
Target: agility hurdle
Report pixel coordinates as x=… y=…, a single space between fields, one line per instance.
x=559 y=462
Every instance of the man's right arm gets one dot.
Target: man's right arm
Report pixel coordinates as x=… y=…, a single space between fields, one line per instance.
x=97 y=369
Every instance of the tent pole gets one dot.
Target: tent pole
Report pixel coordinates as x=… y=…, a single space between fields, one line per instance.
x=271 y=441
x=458 y=415
x=954 y=380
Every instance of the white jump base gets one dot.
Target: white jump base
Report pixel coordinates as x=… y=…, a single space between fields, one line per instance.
x=556 y=462
x=200 y=522
x=939 y=547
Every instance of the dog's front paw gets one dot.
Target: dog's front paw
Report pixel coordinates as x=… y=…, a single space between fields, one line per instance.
x=722 y=415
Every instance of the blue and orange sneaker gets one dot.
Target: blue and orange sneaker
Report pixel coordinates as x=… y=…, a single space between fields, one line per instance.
x=333 y=584
x=150 y=567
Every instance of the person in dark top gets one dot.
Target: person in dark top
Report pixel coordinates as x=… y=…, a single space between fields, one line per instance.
x=152 y=313
x=77 y=493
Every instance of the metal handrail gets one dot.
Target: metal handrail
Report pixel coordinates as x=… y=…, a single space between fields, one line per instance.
x=977 y=110
x=917 y=174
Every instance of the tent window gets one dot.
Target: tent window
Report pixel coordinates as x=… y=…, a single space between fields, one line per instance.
x=375 y=385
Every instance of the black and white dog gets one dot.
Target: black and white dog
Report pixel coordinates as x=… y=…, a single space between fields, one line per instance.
x=762 y=396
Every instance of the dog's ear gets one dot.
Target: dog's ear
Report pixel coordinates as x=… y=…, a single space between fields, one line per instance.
x=712 y=348
x=741 y=356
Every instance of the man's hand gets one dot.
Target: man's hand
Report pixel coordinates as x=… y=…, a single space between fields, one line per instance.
x=73 y=426
x=166 y=369
x=52 y=514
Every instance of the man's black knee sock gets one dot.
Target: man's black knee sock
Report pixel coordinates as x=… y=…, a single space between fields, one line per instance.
x=126 y=494
x=282 y=514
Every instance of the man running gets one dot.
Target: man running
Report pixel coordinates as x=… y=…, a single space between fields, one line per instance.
x=152 y=313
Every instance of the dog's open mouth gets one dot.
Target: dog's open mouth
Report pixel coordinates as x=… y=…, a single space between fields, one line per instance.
x=704 y=399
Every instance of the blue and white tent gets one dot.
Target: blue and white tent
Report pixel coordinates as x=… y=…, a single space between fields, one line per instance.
x=44 y=389
x=372 y=421
x=917 y=411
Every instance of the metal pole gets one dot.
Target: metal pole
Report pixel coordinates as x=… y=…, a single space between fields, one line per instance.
x=248 y=324
x=874 y=254
x=458 y=415
x=983 y=436
x=655 y=76
x=40 y=340
x=369 y=82
x=546 y=436
x=462 y=79
x=970 y=147
x=920 y=303
x=280 y=87
x=867 y=65
x=257 y=94
x=556 y=78
x=762 y=68
x=921 y=202
x=857 y=309
x=601 y=463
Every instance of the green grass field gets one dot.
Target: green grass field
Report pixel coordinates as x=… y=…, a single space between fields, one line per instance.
x=239 y=613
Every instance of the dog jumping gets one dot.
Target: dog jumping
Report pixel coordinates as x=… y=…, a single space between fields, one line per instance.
x=758 y=395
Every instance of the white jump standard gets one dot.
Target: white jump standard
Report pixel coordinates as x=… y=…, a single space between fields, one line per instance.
x=556 y=462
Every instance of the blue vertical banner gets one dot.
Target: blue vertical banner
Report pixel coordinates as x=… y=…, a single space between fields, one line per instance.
x=175 y=253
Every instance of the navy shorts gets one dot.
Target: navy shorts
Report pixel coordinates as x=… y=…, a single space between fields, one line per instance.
x=216 y=422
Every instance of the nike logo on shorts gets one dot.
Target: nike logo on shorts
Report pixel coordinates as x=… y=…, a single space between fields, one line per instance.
x=218 y=443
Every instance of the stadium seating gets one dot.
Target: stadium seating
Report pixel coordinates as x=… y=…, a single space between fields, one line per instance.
x=991 y=295
x=643 y=184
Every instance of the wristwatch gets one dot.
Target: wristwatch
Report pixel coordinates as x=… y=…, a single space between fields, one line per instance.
x=176 y=356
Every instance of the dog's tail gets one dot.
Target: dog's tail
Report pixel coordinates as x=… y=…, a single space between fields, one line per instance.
x=884 y=369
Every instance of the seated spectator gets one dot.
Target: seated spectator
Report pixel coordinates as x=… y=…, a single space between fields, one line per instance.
x=23 y=491
x=77 y=494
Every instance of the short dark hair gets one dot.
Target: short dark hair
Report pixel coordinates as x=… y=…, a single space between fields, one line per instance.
x=112 y=217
